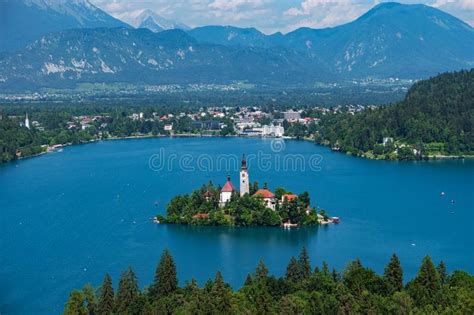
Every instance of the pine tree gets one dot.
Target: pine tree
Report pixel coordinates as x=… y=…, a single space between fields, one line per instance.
x=442 y=272
x=106 y=298
x=128 y=292
x=304 y=264
x=75 y=304
x=248 y=280
x=427 y=285
x=325 y=268
x=166 y=280
x=263 y=300
x=336 y=277
x=221 y=295
x=393 y=275
x=261 y=272
x=293 y=270
x=89 y=298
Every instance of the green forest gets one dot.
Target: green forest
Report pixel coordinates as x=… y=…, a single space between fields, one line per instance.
x=302 y=290
x=435 y=118
x=201 y=207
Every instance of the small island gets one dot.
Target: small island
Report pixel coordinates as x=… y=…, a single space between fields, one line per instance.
x=248 y=206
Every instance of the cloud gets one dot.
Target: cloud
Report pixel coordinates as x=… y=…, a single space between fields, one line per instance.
x=268 y=16
x=325 y=13
x=234 y=4
x=462 y=4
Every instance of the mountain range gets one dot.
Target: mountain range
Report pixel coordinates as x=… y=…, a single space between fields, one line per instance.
x=391 y=40
x=23 y=21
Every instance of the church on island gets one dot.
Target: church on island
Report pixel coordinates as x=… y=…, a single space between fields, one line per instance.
x=246 y=205
x=268 y=197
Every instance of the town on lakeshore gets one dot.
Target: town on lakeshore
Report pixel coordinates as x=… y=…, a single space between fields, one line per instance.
x=249 y=205
x=244 y=121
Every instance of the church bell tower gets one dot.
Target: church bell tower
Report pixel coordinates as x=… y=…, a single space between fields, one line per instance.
x=244 y=178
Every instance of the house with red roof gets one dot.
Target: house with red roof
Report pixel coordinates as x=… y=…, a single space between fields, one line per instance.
x=226 y=192
x=288 y=197
x=267 y=196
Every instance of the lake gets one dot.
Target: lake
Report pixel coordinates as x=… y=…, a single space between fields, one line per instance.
x=67 y=218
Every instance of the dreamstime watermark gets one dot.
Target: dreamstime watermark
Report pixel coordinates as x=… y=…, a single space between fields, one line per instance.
x=278 y=160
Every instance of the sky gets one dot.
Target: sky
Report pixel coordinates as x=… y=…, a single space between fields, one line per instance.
x=268 y=16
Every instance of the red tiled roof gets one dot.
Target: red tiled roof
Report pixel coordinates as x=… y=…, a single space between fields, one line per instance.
x=228 y=187
x=201 y=216
x=265 y=193
x=289 y=197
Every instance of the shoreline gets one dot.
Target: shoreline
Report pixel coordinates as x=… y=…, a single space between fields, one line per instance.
x=56 y=147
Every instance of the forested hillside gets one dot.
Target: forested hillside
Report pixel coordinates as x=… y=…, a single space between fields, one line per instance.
x=435 y=118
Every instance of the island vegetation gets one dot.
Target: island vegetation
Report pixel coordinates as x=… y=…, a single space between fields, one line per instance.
x=203 y=207
x=302 y=290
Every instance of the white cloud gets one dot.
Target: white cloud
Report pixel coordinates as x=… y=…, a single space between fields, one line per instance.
x=267 y=15
x=325 y=13
x=234 y=4
x=462 y=4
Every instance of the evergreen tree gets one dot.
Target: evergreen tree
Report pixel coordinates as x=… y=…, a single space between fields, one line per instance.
x=393 y=275
x=427 y=285
x=75 y=304
x=263 y=300
x=166 y=280
x=89 y=298
x=248 y=280
x=336 y=277
x=442 y=272
x=261 y=272
x=128 y=293
x=106 y=298
x=253 y=188
x=325 y=268
x=221 y=295
x=293 y=270
x=304 y=264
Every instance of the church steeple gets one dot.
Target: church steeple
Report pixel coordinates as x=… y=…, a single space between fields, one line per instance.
x=244 y=162
x=244 y=178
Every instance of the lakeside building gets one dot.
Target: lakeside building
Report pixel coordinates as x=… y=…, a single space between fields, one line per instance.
x=268 y=198
x=264 y=131
x=292 y=116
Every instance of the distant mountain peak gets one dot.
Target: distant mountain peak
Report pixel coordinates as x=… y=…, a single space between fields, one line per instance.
x=156 y=23
x=23 y=21
x=60 y=5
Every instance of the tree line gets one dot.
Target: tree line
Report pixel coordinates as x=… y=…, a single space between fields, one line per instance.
x=302 y=290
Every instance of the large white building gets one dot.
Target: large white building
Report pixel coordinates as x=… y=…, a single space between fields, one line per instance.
x=273 y=131
x=292 y=115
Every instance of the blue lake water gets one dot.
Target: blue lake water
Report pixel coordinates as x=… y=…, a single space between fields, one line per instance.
x=69 y=217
